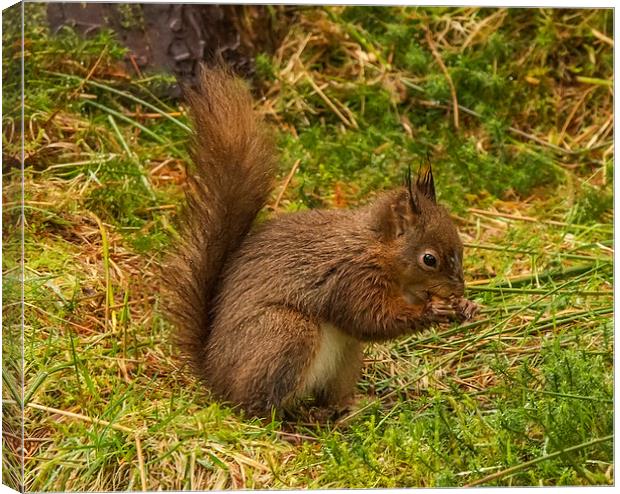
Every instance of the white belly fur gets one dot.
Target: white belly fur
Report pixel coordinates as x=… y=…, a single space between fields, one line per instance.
x=329 y=357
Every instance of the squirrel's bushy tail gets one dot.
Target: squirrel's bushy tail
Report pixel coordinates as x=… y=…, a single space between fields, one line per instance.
x=234 y=165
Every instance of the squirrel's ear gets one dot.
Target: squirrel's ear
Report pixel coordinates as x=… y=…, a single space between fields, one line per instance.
x=394 y=215
x=405 y=211
x=425 y=182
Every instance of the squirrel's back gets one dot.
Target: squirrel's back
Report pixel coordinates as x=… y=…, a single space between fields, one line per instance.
x=234 y=165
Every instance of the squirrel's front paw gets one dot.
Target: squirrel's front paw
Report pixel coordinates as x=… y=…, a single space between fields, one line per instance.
x=466 y=309
x=441 y=310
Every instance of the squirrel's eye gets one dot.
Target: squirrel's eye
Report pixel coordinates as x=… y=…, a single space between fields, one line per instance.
x=429 y=260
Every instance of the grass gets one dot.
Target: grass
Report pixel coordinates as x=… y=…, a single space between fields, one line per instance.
x=521 y=396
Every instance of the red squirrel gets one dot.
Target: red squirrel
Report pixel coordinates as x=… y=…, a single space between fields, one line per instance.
x=274 y=313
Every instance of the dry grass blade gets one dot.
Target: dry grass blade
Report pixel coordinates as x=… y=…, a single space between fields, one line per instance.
x=438 y=59
x=602 y=37
x=329 y=103
x=79 y=416
x=140 y=462
x=286 y=183
x=530 y=219
x=486 y=25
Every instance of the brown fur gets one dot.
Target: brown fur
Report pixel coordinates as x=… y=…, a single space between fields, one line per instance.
x=255 y=309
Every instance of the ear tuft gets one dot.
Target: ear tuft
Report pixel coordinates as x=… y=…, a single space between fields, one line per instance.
x=414 y=203
x=425 y=182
